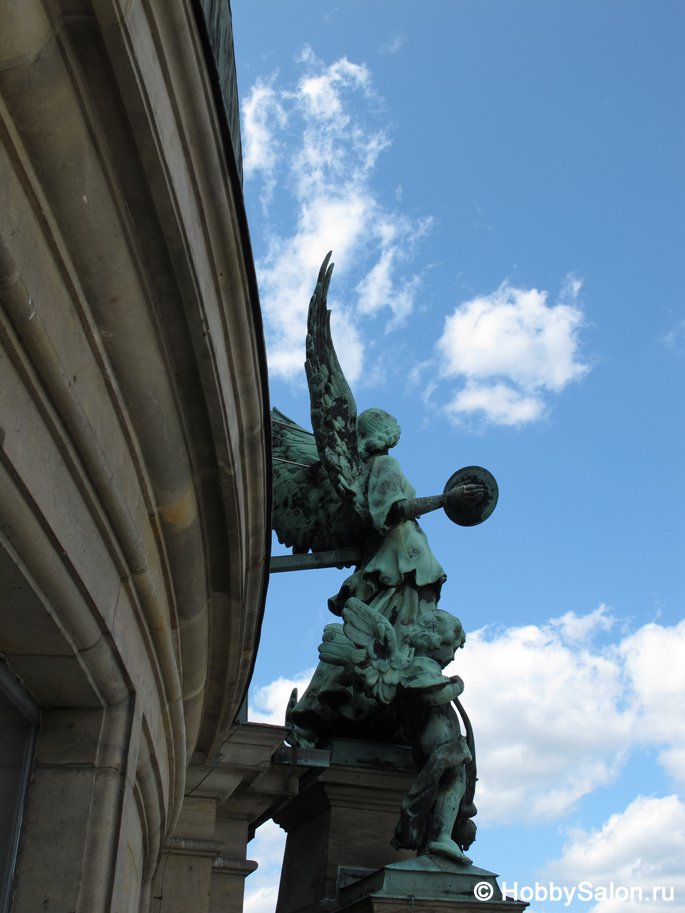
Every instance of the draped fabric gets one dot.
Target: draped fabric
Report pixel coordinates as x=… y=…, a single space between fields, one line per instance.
x=417 y=826
x=396 y=555
x=399 y=577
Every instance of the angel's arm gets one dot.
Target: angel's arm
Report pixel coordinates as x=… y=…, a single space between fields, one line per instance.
x=424 y=676
x=409 y=509
x=448 y=691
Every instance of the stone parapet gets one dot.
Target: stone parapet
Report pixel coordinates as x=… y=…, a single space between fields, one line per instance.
x=205 y=862
x=343 y=816
x=339 y=856
x=135 y=463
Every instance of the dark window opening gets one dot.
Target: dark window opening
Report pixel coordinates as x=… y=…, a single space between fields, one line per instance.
x=19 y=718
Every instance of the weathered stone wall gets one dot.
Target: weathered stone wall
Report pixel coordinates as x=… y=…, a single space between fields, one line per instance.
x=134 y=449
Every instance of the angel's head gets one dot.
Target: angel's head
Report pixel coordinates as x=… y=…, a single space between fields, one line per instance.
x=437 y=634
x=376 y=431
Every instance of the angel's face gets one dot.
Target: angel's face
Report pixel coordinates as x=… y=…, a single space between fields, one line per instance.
x=445 y=653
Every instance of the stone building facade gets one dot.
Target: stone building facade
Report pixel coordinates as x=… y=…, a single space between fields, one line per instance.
x=134 y=464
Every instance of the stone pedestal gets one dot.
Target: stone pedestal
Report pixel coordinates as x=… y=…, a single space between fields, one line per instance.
x=432 y=884
x=345 y=816
x=204 y=864
x=338 y=855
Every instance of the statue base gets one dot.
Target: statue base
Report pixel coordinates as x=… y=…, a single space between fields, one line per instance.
x=428 y=883
x=338 y=854
x=343 y=816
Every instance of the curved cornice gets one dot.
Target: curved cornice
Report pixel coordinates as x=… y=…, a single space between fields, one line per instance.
x=125 y=222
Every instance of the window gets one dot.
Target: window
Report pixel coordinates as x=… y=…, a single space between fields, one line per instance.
x=19 y=718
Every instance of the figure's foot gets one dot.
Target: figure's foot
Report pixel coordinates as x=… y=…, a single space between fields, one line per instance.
x=446 y=847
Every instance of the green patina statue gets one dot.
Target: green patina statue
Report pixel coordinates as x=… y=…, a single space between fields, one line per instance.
x=380 y=672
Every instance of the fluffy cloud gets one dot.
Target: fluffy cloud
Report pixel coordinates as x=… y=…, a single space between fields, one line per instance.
x=321 y=141
x=261 y=888
x=549 y=715
x=555 y=717
x=653 y=662
x=392 y=46
x=642 y=847
x=508 y=349
x=267 y=704
x=675 y=340
x=262 y=111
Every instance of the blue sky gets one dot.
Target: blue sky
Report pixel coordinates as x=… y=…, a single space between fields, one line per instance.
x=502 y=187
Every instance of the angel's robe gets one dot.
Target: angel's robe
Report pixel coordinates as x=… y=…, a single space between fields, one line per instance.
x=398 y=571
x=399 y=577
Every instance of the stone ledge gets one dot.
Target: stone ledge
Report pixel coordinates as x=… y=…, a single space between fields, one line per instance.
x=190 y=846
x=242 y=867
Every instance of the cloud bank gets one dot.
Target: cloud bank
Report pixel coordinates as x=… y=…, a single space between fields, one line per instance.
x=261 y=888
x=320 y=141
x=508 y=349
x=642 y=847
x=555 y=717
x=267 y=704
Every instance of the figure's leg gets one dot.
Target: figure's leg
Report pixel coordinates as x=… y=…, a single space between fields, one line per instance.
x=445 y=813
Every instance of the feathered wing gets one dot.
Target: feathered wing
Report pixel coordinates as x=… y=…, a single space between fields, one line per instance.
x=373 y=655
x=333 y=409
x=307 y=511
x=368 y=646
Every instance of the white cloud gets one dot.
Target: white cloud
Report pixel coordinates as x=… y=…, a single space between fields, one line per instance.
x=579 y=627
x=320 y=141
x=675 y=340
x=654 y=660
x=261 y=110
x=555 y=717
x=509 y=348
x=549 y=720
x=267 y=704
x=261 y=888
x=393 y=45
x=642 y=847
x=499 y=403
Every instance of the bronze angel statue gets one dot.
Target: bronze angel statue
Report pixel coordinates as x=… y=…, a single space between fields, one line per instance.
x=380 y=672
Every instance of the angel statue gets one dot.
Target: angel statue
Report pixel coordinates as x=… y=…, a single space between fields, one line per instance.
x=380 y=672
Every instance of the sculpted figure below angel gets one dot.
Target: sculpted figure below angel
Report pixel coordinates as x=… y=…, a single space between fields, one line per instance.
x=380 y=672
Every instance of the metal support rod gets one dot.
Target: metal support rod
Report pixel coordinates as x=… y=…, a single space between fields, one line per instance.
x=339 y=557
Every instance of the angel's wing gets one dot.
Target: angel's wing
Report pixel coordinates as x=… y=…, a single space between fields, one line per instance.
x=333 y=409
x=378 y=660
x=366 y=627
x=307 y=511
x=337 y=648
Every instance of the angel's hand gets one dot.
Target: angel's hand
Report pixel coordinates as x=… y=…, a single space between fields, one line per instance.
x=464 y=495
x=458 y=684
x=448 y=691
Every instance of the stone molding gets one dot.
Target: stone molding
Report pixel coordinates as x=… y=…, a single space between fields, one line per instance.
x=241 y=867
x=189 y=846
x=134 y=449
